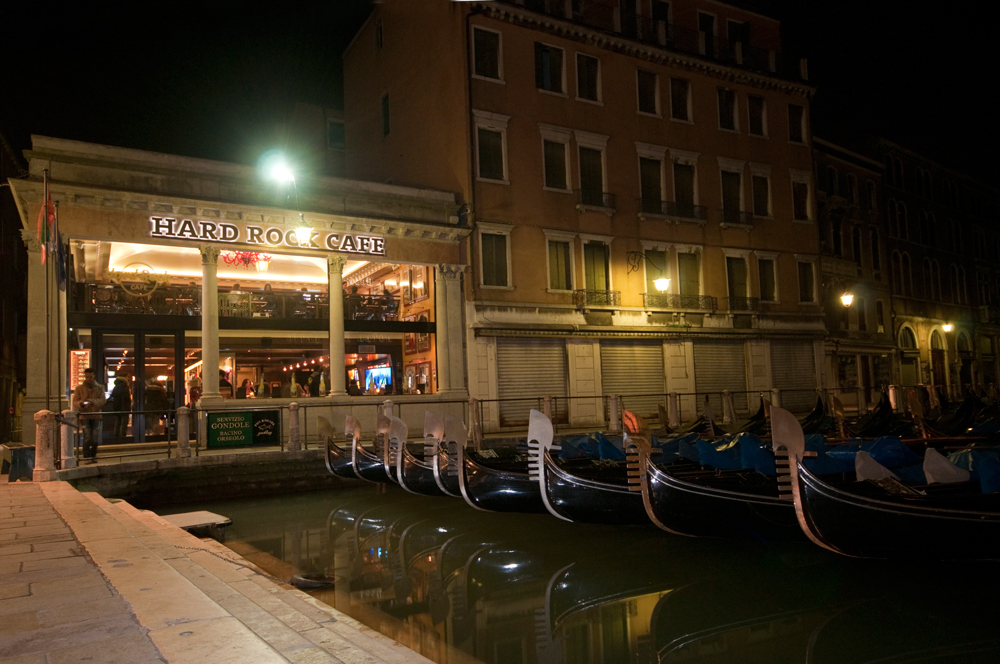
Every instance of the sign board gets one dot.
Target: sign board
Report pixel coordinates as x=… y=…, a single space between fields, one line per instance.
x=78 y=361
x=268 y=237
x=244 y=428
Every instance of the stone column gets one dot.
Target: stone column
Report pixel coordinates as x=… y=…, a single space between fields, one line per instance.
x=45 y=429
x=335 y=274
x=68 y=457
x=210 y=323
x=448 y=325
x=39 y=355
x=183 y=432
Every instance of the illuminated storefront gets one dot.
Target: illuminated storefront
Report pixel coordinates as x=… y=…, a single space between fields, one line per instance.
x=222 y=296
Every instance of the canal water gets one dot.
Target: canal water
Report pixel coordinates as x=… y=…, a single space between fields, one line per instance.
x=462 y=586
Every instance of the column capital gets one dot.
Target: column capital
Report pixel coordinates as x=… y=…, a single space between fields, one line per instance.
x=30 y=241
x=450 y=272
x=336 y=263
x=209 y=254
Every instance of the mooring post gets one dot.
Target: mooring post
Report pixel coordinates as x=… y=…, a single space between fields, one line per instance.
x=776 y=397
x=183 y=432
x=547 y=406
x=67 y=429
x=293 y=427
x=673 y=403
x=728 y=409
x=893 y=398
x=45 y=465
x=614 y=414
x=475 y=423
x=387 y=408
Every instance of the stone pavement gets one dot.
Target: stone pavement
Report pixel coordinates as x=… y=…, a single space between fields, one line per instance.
x=83 y=579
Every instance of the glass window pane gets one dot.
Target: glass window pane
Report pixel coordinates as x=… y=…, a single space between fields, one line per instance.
x=646 y=82
x=656 y=268
x=555 y=164
x=487 y=51
x=761 y=195
x=559 y=266
x=727 y=109
x=679 y=99
x=490 y=154
x=592 y=175
x=494 y=259
x=650 y=179
x=586 y=77
x=689 y=274
x=756 y=112
x=765 y=268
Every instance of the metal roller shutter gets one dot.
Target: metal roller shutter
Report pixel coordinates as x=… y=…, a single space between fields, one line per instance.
x=793 y=371
x=528 y=369
x=718 y=366
x=634 y=368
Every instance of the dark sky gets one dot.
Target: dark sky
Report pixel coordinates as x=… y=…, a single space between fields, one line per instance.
x=212 y=79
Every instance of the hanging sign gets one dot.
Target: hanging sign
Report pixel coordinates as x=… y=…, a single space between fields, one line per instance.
x=244 y=428
x=220 y=231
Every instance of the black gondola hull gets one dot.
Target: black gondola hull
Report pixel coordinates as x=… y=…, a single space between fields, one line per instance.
x=339 y=462
x=495 y=490
x=591 y=501
x=916 y=527
x=417 y=475
x=369 y=467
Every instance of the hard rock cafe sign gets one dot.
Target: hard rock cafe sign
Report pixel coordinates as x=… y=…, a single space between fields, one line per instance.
x=138 y=279
x=271 y=237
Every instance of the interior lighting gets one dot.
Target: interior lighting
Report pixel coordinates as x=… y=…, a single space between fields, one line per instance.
x=847 y=299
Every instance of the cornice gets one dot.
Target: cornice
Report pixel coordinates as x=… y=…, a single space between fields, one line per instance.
x=526 y=18
x=30 y=193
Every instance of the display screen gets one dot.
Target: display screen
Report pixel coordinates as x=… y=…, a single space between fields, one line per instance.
x=378 y=378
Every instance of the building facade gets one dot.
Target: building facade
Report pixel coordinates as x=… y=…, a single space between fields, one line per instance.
x=640 y=183
x=193 y=281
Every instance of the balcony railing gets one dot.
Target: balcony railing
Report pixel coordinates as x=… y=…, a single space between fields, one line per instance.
x=597 y=298
x=735 y=216
x=684 y=211
x=674 y=301
x=597 y=199
x=743 y=303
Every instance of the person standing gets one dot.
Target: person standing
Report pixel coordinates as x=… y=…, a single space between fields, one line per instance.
x=88 y=400
x=121 y=403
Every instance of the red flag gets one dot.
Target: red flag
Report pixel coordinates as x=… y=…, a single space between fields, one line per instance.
x=45 y=225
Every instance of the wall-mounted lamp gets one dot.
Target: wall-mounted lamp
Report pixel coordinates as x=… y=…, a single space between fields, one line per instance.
x=661 y=284
x=947 y=327
x=847 y=299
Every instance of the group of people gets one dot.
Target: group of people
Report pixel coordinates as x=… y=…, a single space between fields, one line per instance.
x=373 y=306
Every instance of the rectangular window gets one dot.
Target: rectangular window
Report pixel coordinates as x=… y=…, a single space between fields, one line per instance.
x=494 y=259
x=684 y=189
x=731 y=199
x=554 y=155
x=588 y=81
x=680 y=91
x=548 y=68
x=800 y=201
x=706 y=35
x=560 y=275
x=736 y=274
x=650 y=184
x=487 y=53
x=727 y=109
x=796 y=123
x=385 y=115
x=647 y=85
x=491 y=162
x=656 y=268
x=879 y=316
x=806 y=282
x=592 y=177
x=761 y=196
x=765 y=272
x=595 y=263
x=757 y=113
x=862 y=316
x=688 y=274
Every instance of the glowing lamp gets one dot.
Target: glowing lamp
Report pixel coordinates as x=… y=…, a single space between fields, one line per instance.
x=661 y=284
x=282 y=173
x=847 y=299
x=947 y=327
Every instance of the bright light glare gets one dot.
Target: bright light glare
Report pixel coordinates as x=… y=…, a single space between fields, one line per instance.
x=282 y=173
x=303 y=234
x=947 y=327
x=661 y=284
x=847 y=299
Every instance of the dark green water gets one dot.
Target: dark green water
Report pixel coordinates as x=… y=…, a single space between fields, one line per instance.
x=462 y=586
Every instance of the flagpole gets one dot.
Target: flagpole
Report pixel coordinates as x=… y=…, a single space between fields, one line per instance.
x=57 y=241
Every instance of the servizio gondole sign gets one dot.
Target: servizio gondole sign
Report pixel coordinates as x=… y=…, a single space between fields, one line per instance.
x=220 y=231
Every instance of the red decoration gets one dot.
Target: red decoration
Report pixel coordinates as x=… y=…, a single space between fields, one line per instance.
x=250 y=260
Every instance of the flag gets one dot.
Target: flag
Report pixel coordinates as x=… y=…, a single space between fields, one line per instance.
x=61 y=262
x=45 y=225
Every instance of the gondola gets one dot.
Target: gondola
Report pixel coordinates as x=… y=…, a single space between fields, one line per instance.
x=414 y=469
x=445 y=460
x=867 y=522
x=368 y=463
x=338 y=459
x=581 y=490
x=497 y=481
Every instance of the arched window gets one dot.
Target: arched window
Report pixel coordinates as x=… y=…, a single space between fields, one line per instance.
x=936 y=342
x=964 y=343
x=893 y=218
x=907 y=271
x=876 y=258
x=871 y=197
x=856 y=242
x=963 y=290
x=904 y=231
x=930 y=229
x=928 y=280
x=897 y=273
x=907 y=340
x=936 y=280
x=986 y=345
x=852 y=189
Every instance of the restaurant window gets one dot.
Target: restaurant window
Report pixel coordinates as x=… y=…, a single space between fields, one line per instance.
x=680 y=99
x=647 y=88
x=487 y=54
x=588 y=77
x=548 y=68
x=758 y=115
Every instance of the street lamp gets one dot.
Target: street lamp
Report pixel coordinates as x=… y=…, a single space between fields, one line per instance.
x=847 y=299
x=281 y=172
x=661 y=284
x=947 y=327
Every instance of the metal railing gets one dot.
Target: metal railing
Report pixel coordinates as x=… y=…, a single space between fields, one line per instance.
x=597 y=298
x=737 y=216
x=685 y=211
x=674 y=301
x=742 y=303
x=594 y=198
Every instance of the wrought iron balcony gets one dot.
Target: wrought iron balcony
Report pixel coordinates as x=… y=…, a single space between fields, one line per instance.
x=736 y=216
x=683 y=211
x=743 y=303
x=597 y=298
x=597 y=199
x=674 y=301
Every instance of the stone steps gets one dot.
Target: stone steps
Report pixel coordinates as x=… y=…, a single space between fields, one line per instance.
x=197 y=597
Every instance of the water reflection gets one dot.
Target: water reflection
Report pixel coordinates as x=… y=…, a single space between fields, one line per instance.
x=462 y=586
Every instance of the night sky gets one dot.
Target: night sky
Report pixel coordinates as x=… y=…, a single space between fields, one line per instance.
x=214 y=79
